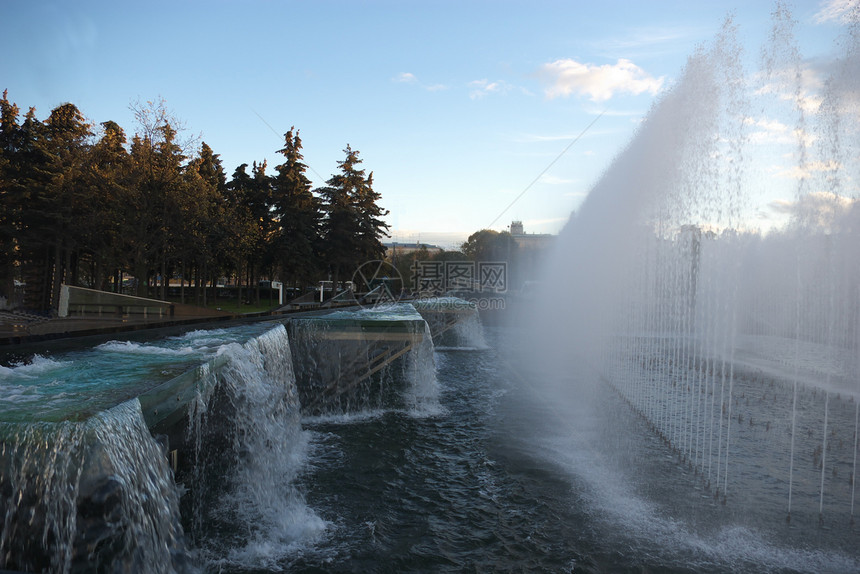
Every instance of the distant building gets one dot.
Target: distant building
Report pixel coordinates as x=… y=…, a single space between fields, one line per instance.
x=395 y=248
x=529 y=240
x=530 y=256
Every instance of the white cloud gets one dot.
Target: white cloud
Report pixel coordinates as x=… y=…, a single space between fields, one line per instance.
x=410 y=78
x=845 y=11
x=405 y=78
x=600 y=83
x=805 y=100
x=480 y=88
x=772 y=126
x=822 y=210
x=768 y=132
x=804 y=91
x=805 y=172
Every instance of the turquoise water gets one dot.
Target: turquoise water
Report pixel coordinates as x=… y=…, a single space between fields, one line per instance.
x=75 y=385
x=387 y=312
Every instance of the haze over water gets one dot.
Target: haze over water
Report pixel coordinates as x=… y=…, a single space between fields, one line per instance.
x=735 y=346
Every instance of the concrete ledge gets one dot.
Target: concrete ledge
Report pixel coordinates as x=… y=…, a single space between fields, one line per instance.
x=79 y=300
x=36 y=338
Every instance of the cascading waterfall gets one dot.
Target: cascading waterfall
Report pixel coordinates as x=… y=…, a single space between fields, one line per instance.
x=737 y=346
x=421 y=396
x=29 y=492
x=248 y=448
x=89 y=487
x=470 y=333
x=455 y=323
x=86 y=496
x=372 y=359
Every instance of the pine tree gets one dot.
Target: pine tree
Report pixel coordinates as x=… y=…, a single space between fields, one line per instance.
x=352 y=228
x=203 y=239
x=371 y=226
x=153 y=218
x=11 y=195
x=247 y=219
x=261 y=194
x=297 y=214
x=209 y=166
x=108 y=178
x=250 y=197
x=55 y=156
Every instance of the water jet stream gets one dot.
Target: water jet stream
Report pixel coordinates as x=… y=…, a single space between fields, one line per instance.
x=737 y=345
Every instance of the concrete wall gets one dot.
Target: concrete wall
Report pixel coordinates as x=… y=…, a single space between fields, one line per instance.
x=79 y=301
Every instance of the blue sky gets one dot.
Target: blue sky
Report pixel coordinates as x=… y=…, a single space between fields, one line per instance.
x=457 y=107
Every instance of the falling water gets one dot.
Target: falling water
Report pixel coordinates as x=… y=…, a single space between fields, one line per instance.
x=469 y=333
x=853 y=477
x=89 y=486
x=87 y=496
x=737 y=345
x=372 y=359
x=78 y=494
x=455 y=322
x=248 y=446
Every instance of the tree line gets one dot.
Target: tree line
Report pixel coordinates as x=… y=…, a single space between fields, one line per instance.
x=83 y=205
x=522 y=263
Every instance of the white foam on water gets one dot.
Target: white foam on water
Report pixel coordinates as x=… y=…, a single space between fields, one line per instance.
x=208 y=339
x=13 y=393
x=133 y=348
x=344 y=418
x=19 y=382
x=269 y=449
x=204 y=334
x=38 y=366
x=629 y=520
x=470 y=333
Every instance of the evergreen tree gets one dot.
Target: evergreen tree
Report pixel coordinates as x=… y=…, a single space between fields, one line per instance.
x=490 y=245
x=261 y=194
x=51 y=233
x=33 y=255
x=208 y=221
x=297 y=214
x=109 y=178
x=251 y=198
x=153 y=218
x=209 y=166
x=240 y=199
x=371 y=227
x=352 y=227
x=77 y=209
x=11 y=194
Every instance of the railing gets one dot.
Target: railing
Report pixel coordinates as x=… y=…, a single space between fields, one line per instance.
x=82 y=301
